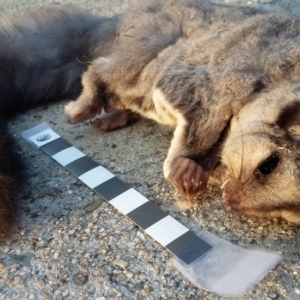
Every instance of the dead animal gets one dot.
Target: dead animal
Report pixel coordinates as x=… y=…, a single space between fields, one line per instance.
x=225 y=78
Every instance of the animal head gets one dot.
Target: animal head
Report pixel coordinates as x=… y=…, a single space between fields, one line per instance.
x=261 y=156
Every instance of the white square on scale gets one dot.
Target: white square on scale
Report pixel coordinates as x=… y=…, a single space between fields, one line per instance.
x=68 y=155
x=96 y=176
x=128 y=201
x=166 y=230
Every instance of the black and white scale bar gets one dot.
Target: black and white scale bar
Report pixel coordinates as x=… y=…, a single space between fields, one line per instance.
x=171 y=234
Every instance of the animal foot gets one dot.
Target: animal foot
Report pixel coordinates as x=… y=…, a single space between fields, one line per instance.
x=189 y=178
x=78 y=111
x=115 y=120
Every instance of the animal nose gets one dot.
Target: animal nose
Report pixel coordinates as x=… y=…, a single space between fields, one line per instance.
x=231 y=194
x=230 y=201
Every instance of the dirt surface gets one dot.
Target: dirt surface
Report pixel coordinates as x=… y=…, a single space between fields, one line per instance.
x=82 y=252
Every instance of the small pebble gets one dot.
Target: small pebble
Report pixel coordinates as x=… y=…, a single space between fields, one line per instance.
x=47 y=192
x=121 y=277
x=96 y=273
x=40 y=284
x=140 y=235
x=121 y=263
x=94 y=205
x=2 y=265
x=33 y=215
x=18 y=280
x=81 y=279
x=61 y=282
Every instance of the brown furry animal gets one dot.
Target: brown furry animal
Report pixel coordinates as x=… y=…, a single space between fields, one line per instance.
x=198 y=67
x=262 y=156
x=224 y=77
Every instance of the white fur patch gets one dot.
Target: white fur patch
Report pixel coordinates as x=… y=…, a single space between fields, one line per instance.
x=165 y=113
x=173 y=117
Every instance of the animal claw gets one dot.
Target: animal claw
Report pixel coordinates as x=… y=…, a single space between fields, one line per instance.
x=188 y=177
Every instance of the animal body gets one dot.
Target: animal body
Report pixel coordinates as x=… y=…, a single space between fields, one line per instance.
x=42 y=58
x=225 y=78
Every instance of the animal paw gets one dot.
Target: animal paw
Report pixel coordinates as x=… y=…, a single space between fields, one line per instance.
x=115 y=120
x=189 y=178
x=78 y=111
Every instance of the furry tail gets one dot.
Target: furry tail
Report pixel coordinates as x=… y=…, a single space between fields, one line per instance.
x=10 y=177
x=42 y=58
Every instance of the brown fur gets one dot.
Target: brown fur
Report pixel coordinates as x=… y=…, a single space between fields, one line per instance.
x=262 y=138
x=197 y=69
x=7 y=188
x=225 y=78
x=7 y=208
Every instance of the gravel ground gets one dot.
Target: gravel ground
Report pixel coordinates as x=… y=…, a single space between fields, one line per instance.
x=82 y=248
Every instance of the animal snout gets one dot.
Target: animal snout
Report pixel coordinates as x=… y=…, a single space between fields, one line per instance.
x=232 y=194
x=230 y=202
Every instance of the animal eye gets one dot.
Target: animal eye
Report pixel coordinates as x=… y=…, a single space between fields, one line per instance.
x=267 y=167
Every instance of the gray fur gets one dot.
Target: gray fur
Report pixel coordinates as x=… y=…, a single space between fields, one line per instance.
x=43 y=54
x=42 y=58
x=197 y=66
x=224 y=77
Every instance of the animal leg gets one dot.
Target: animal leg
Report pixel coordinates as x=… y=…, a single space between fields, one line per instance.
x=186 y=175
x=90 y=102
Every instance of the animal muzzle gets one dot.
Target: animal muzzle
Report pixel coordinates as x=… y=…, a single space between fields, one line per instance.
x=232 y=194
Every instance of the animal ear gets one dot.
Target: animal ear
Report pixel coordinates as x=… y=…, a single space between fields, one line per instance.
x=289 y=120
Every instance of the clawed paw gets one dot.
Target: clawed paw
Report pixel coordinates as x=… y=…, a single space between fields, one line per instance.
x=77 y=111
x=115 y=120
x=189 y=178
